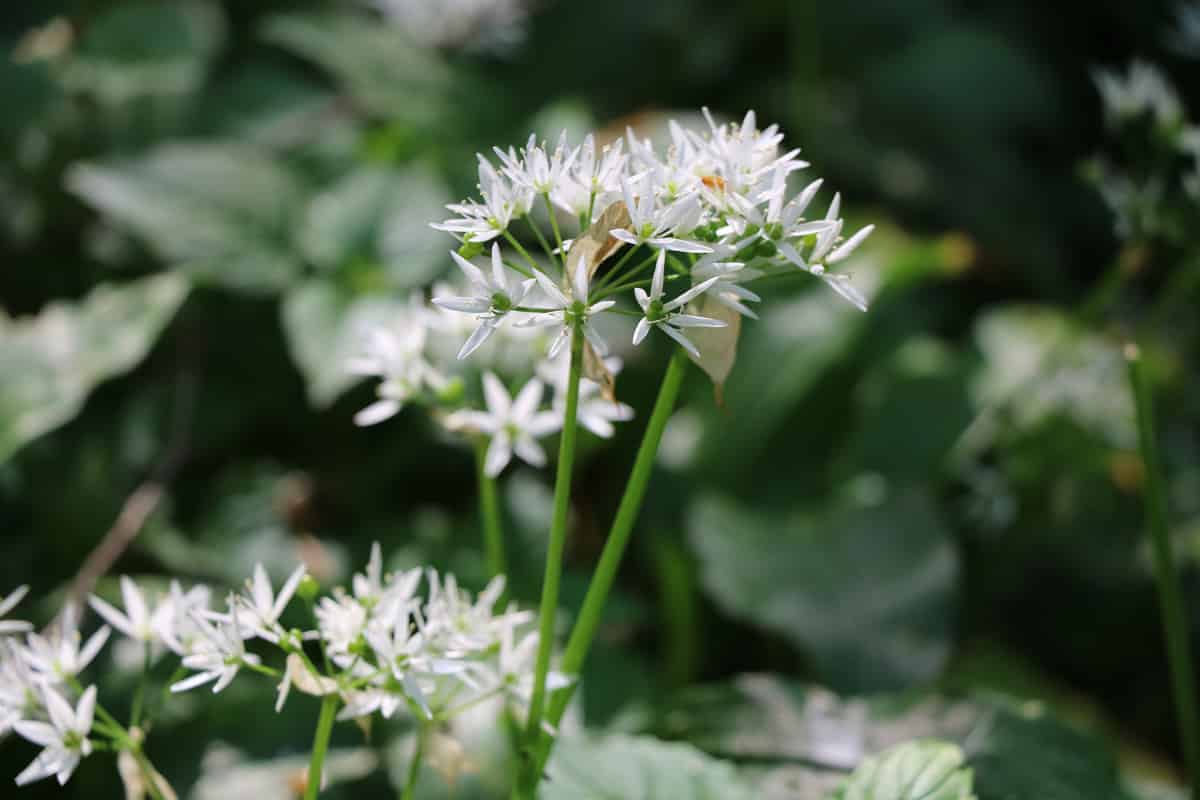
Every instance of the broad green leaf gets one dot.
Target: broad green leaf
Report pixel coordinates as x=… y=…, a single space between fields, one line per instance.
x=223 y=212
x=868 y=592
x=379 y=216
x=637 y=768
x=1016 y=749
x=146 y=48
x=325 y=328
x=921 y=770
x=381 y=69
x=51 y=362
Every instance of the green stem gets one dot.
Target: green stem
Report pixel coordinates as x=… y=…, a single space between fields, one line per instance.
x=521 y=249
x=139 y=697
x=414 y=766
x=489 y=513
x=1174 y=618
x=320 y=745
x=537 y=232
x=614 y=548
x=557 y=233
x=554 y=552
x=613 y=273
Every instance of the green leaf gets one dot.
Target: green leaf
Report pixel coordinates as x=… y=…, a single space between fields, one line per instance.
x=325 y=327
x=869 y=592
x=379 y=216
x=146 y=48
x=51 y=362
x=637 y=768
x=223 y=212
x=922 y=770
x=380 y=68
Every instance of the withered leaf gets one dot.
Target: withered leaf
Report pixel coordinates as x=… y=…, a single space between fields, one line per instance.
x=595 y=369
x=717 y=346
x=596 y=243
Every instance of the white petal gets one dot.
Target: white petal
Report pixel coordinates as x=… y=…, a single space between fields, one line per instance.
x=499 y=453
x=691 y=294
x=544 y=423
x=10 y=602
x=679 y=245
x=841 y=284
x=528 y=399
x=557 y=345
x=684 y=342
x=112 y=616
x=41 y=733
x=85 y=710
x=477 y=338
x=642 y=298
x=624 y=235
x=500 y=283
x=499 y=401
x=640 y=332
x=693 y=321
x=474 y=274
x=92 y=647
x=377 y=412
x=467 y=305
x=557 y=298
x=656 y=283
x=530 y=451
x=603 y=305
x=847 y=247
x=289 y=588
x=593 y=336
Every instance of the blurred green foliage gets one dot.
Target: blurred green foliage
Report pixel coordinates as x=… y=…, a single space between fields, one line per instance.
x=203 y=204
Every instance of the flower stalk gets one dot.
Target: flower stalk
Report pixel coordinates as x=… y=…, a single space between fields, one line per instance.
x=414 y=766
x=557 y=544
x=489 y=513
x=320 y=746
x=584 y=631
x=1174 y=618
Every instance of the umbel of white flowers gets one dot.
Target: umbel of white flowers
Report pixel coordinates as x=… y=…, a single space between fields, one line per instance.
x=390 y=649
x=672 y=237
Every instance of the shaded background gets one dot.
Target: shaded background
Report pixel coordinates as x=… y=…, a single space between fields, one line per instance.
x=935 y=503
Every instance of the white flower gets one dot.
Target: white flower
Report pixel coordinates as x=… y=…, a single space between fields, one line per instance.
x=514 y=669
x=570 y=307
x=502 y=203
x=395 y=355
x=537 y=170
x=18 y=686
x=513 y=425
x=341 y=620
x=136 y=622
x=743 y=155
x=594 y=412
x=824 y=252
x=58 y=655
x=665 y=316
x=657 y=224
x=9 y=626
x=259 y=613
x=63 y=739
x=493 y=298
x=217 y=654
x=593 y=183
x=727 y=289
x=174 y=618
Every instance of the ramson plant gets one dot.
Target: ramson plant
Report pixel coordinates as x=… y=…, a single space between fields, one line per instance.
x=566 y=247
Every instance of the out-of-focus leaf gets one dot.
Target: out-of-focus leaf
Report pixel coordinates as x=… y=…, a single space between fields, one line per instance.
x=52 y=361
x=146 y=48
x=869 y=592
x=377 y=215
x=226 y=774
x=925 y=381
x=1016 y=749
x=1038 y=363
x=637 y=768
x=382 y=70
x=923 y=770
x=223 y=212
x=325 y=328
x=268 y=105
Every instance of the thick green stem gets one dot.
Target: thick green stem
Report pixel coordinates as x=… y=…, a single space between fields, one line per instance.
x=1174 y=619
x=489 y=515
x=614 y=548
x=414 y=766
x=554 y=554
x=320 y=745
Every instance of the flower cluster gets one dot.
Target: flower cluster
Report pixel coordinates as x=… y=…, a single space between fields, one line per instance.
x=671 y=239
x=379 y=646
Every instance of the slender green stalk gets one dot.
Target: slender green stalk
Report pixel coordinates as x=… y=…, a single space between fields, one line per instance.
x=489 y=514
x=554 y=552
x=508 y=237
x=537 y=232
x=1174 y=618
x=139 y=697
x=614 y=548
x=557 y=233
x=320 y=746
x=414 y=766
x=614 y=271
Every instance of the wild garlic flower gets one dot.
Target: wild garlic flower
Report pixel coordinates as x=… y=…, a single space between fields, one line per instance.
x=259 y=612
x=493 y=298
x=60 y=655
x=569 y=308
x=536 y=169
x=513 y=425
x=218 y=654
x=666 y=316
x=595 y=413
x=395 y=354
x=64 y=737
x=656 y=223
x=593 y=183
x=136 y=621
x=11 y=626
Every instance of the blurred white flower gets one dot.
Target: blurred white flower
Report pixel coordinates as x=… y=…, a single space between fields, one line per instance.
x=10 y=626
x=58 y=655
x=63 y=739
x=217 y=654
x=513 y=425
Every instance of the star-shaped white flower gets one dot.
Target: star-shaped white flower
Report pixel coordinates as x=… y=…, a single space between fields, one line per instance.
x=217 y=654
x=63 y=739
x=58 y=655
x=665 y=316
x=514 y=425
x=824 y=253
x=259 y=613
x=136 y=621
x=656 y=224
x=570 y=307
x=493 y=297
